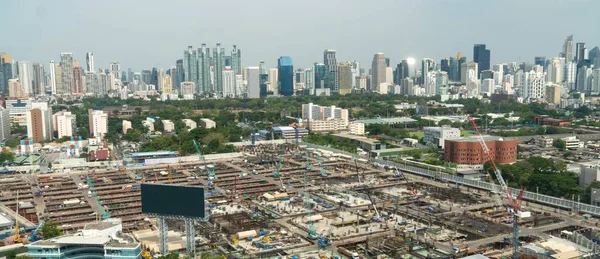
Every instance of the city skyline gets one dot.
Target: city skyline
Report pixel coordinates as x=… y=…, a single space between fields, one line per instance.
x=141 y=47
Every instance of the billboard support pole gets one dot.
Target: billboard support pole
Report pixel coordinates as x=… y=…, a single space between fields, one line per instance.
x=162 y=228
x=190 y=237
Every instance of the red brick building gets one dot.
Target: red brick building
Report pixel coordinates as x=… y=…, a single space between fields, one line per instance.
x=547 y=120
x=468 y=151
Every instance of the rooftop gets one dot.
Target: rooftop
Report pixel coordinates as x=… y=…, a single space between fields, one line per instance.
x=153 y=153
x=476 y=139
x=358 y=138
x=394 y=120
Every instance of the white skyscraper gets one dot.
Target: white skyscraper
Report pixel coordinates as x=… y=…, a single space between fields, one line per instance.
x=240 y=86
x=98 y=123
x=52 y=82
x=498 y=73
x=89 y=61
x=534 y=85
x=273 y=75
x=441 y=83
x=472 y=83
x=570 y=74
x=253 y=82
x=25 y=76
x=596 y=80
x=430 y=83
x=555 y=71
x=64 y=123
x=487 y=86
x=228 y=82
x=115 y=70
x=584 y=79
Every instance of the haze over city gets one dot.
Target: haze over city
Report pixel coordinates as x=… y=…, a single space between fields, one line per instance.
x=143 y=34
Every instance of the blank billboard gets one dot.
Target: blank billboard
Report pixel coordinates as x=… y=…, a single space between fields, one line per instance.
x=173 y=201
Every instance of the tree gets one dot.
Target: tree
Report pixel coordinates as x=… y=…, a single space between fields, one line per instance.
x=83 y=132
x=50 y=230
x=12 y=143
x=445 y=122
x=6 y=156
x=560 y=144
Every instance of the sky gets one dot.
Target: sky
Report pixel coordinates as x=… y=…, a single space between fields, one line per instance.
x=142 y=34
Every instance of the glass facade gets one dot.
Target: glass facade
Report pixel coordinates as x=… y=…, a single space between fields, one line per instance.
x=285 y=68
x=481 y=56
x=320 y=75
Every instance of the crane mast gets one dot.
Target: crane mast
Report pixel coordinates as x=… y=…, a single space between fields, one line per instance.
x=515 y=204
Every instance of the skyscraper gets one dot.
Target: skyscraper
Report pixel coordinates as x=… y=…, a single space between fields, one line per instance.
x=534 y=85
x=26 y=76
x=228 y=82
x=441 y=83
x=427 y=65
x=377 y=71
x=320 y=75
x=445 y=65
x=38 y=85
x=218 y=64
x=273 y=79
x=115 y=70
x=541 y=61
x=147 y=77
x=66 y=66
x=285 y=68
x=461 y=60
x=190 y=69
x=330 y=61
x=236 y=60
x=481 y=56
x=453 y=75
x=76 y=81
x=178 y=77
x=584 y=79
x=464 y=70
x=52 y=80
x=345 y=78
x=567 y=51
x=89 y=61
x=594 y=56
x=204 y=75
x=39 y=122
x=5 y=70
x=253 y=79
x=579 y=53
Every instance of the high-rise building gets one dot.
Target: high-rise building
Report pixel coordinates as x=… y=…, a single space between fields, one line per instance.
x=596 y=81
x=286 y=76
x=330 y=61
x=534 y=85
x=464 y=69
x=5 y=70
x=189 y=65
x=98 y=123
x=64 y=123
x=553 y=94
x=236 y=60
x=570 y=75
x=229 y=82
x=540 y=61
x=89 y=62
x=355 y=73
x=377 y=71
x=309 y=76
x=594 y=57
x=461 y=61
x=15 y=89
x=115 y=70
x=410 y=66
x=345 y=78
x=453 y=74
x=66 y=68
x=481 y=56
x=579 y=53
x=167 y=85
x=76 y=80
x=273 y=79
x=26 y=76
x=179 y=75
x=187 y=90
x=91 y=84
x=554 y=72
x=38 y=83
x=253 y=79
x=427 y=65
x=4 y=123
x=320 y=75
x=389 y=75
x=218 y=62
x=204 y=70
x=154 y=76
x=441 y=83
x=567 y=51
x=498 y=73
x=407 y=86
x=445 y=65
x=584 y=79
x=39 y=122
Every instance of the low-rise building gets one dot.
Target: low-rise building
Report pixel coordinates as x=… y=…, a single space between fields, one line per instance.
x=546 y=142
x=168 y=126
x=126 y=126
x=288 y=132
x=149 y=124
x=438 y=135
x=547 y=120
x=190 y=123
x=207 y=123
x=363 y=142
x=97 y=240
x=356 y=128
x=588 y=174
x=469 y=153
x=326 y=125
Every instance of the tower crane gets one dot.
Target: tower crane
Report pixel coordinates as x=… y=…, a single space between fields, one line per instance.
x=312 y=232
x=104 y=213
x=209 y=170
x=323 y=171
x=514 y=203
x=279 y=161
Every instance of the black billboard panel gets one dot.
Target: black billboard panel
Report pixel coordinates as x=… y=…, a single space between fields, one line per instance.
x=173 y=201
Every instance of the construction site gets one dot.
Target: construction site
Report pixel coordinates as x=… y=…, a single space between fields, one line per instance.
x=296 y=201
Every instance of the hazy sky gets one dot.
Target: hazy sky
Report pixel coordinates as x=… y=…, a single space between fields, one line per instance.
x=142 y=34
